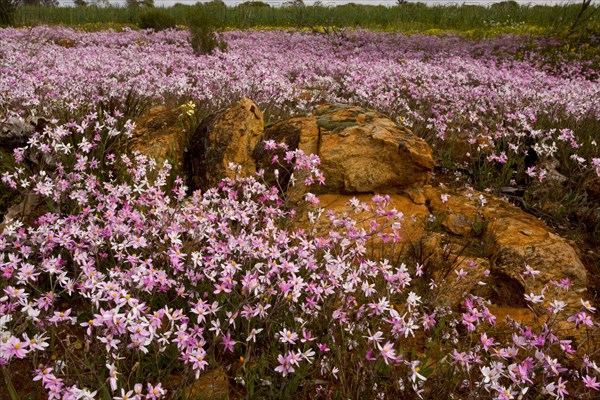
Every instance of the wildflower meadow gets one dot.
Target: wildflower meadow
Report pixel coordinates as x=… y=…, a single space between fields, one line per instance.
x=131 y=286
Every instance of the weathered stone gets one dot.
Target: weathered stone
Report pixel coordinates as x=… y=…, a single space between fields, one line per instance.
x=159 y=134
x=15 y=131
x=31 y=207
x=514 y=239
x=228 y=136
x=297 y=133
x=213 y=385
x=520 y=314
x=363 y=151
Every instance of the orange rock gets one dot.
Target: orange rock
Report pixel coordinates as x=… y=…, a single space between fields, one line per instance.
x=364 y=151
x=159 y=134
x=228 y=136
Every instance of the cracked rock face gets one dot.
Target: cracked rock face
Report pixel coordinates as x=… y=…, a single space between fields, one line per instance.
x=361 y=151
x=159 y=135
x=228 y=136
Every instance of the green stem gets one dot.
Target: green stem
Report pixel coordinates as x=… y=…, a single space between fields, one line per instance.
x=9 y=386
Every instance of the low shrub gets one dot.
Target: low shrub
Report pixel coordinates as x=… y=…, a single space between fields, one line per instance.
x=157 y=20
x=7 y=11
x=204 y=37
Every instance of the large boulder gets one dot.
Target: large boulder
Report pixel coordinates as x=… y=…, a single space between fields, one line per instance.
x=488 y=239
x=512 y=240
x=361 y=151
x=227 y=136
x=159 y=134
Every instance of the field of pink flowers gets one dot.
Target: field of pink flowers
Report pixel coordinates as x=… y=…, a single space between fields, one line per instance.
x=131 y=288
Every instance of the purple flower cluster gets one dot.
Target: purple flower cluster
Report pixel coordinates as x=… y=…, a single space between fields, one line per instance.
x=128 y=266
x=442 y=86
x=139 y=275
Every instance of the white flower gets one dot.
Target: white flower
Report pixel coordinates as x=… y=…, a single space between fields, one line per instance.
x=413 y=300
x=414 y=366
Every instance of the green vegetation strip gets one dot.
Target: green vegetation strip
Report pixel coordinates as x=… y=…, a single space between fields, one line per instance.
x=415 y=17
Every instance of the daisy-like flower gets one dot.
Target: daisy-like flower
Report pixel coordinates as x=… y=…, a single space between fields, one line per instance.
x=591 y=382
x=387 y=352
x=253 y=333
x=587 y=305
x=377 y=337
x=286 y=336
x=414 y=366
x=13 y=348
x=530 y=271
x=285 y=366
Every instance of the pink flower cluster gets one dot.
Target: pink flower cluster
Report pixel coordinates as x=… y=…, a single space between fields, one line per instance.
x=130 y=267
x=488 y=92
x=139 y=275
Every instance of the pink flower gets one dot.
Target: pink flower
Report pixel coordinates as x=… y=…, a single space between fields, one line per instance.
x=387 y=352
x=125 y=395
x=561 y=388
x=469 y=321
x=228 y=343
x=323 y=347
x=286 y=336
x=581 y=318
x=13 y=347
x=590 y=382
x=486 y=342
x=428 y=321
x=285 y=366
x=112 y=376
x=155 y=392
x=369 y=355
x=531 y=271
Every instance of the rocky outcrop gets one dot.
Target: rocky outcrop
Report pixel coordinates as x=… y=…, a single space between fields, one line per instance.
x=228 y=136
x=469 y=244
x=159 y=134
x=468 y=241
x=511 y=239
x=361 y=151
x=15 y=131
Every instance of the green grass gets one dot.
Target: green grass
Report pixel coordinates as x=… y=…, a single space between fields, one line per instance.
x=407 y=18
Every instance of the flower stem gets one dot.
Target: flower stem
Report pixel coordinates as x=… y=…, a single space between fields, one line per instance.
x=8 y=382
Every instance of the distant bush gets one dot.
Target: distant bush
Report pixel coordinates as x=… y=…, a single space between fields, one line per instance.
x=216 y=4
x=157 y=20
x=7 y=11
x=254 y=4
x=506 y=5
x=204 y=38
